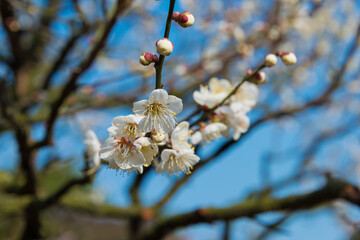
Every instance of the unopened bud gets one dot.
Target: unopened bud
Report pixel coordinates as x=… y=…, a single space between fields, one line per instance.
x=175 y=16
x=259 y=78
x=288 y=58
x=157 y=137
x=146 y=58
x=249 y=72
x=164 y=46
x=186 y=19
x=270 y=60
x=155 y=58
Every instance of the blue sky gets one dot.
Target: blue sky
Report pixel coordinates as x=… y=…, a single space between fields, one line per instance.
x=227 y=180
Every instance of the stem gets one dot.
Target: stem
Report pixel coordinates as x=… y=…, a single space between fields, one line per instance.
x=159 y=64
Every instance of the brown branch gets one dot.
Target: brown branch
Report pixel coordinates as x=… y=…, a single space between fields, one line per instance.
x=52 y=199
x=71 y=85
x=60 y=59
x=333 y=190
x=7 y=17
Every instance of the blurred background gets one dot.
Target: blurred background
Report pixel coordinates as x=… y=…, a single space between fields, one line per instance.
x=72 y=65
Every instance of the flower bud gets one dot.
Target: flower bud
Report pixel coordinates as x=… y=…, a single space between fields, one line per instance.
x=270 y=60
x=155 y=58
x=186 y=19
x=157 y=137
x=146 y=58
x=175 y=16
x=259 y=78
x=164 y=46
x=288 y=58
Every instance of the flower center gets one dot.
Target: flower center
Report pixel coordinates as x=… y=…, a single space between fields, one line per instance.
x=155 y=109
x=130 y=130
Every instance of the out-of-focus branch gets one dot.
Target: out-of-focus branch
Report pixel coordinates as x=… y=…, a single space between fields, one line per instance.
x=7 y=17
x=71 y=85
x=273 y=227
x=333 y=190
x=226 y=235
x=134 y=188
x=60 y=59
x=52 y=199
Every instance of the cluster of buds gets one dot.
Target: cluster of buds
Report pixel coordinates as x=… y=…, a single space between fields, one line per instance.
x=164 y=46
x=147 y=58
x=258 y=78
x=185 y=19
x=288 y=58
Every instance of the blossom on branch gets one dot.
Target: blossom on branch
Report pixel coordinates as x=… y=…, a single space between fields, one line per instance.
x=158 y=112
x=212 y=95
x=173 y=161
x=208 y=132
x=247 y=94
x=122 y=154
x=181 y=157
x=127 y=148
x=234 y=117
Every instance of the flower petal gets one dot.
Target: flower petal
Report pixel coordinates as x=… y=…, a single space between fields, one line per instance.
x=140 y=107
x=159 y=95
x=175 y=104
x=196 y=138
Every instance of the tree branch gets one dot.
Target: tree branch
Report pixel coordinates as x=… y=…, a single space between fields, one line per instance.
x=71 y=85
x=333 y=190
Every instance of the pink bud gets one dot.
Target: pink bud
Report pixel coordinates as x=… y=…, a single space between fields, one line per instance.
x=186 y=19
x=155 y=58
x=183 y=18
x=175 y=16
x=146 y=58
x=259 y=78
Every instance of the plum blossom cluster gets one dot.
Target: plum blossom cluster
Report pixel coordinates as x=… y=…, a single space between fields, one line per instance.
x=230 y=116
x=152 y=136
x=136 y=139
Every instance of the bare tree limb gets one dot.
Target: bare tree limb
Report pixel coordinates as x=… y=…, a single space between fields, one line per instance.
x=334 y=189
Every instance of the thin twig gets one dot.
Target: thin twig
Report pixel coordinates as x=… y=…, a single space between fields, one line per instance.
x=158 y=66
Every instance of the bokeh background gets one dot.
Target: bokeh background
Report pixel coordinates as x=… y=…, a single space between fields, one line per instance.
x=305 y=127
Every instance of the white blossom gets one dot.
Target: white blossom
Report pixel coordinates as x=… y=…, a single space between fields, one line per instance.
x=173 y=161
x=213 y=94
x=158 y=111
x=247 y=94
x=180 y=137
x=126 y=126
x=92 y=148
x=148 y=148
x=208 y=133
x=122 y=154
x=234 y=117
